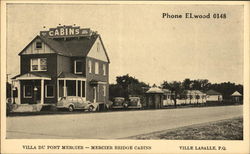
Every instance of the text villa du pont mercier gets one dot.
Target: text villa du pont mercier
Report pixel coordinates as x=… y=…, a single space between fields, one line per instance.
x=195 y=16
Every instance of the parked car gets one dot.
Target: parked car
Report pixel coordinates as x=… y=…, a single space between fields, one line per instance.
x=134 y=103
x=74 y=102
x=119 y=103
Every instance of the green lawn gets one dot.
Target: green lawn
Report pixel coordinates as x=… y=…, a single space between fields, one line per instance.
x=231 y=129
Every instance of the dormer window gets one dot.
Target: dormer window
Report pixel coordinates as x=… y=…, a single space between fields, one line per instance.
x=38 y=45
x=38 y=64
x=78 y=67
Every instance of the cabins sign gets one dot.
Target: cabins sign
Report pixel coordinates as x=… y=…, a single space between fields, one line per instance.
x=66 y=31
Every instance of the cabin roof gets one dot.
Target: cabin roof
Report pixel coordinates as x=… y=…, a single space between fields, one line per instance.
x=212 y=92
x=73 y=47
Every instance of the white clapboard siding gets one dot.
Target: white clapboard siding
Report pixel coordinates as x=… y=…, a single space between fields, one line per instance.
x=94 y=53
x=213 y=98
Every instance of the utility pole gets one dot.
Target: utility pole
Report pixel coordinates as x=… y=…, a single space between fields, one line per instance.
x=7 y=76
x=11 y=92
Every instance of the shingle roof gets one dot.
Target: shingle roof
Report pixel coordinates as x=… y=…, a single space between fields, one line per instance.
x=68 y=75
x=154 y=90
x=69 y=47
x=212 y=92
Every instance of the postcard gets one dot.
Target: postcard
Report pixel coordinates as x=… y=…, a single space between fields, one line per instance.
x=124 y=77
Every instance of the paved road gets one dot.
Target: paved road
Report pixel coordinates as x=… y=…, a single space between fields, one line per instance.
x=112 y=125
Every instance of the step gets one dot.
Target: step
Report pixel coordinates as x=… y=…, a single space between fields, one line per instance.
x=27 y=107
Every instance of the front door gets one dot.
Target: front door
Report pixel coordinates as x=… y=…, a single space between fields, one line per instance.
x=37 y=94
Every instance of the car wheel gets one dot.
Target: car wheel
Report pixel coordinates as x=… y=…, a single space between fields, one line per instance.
x=91 y=108
x=71 y=108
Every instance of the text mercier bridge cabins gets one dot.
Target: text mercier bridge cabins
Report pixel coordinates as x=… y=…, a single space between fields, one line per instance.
x=64 y=61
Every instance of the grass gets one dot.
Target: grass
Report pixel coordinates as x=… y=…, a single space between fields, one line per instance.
x=231 y=129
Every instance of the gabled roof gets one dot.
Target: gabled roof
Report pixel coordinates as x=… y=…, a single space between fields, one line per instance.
x=73 y=47
x=212 y=92
x=236 y=93
x=153 y=90
x=104 y=49
x=34 y=75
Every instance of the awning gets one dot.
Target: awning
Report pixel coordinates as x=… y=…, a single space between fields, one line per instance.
x=93 y=83
x=32 y=76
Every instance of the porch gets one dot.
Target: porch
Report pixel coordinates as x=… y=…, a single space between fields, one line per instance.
x=31 y=88
x=69 y=84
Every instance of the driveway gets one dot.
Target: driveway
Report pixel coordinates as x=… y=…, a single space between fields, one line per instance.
x=113 y=125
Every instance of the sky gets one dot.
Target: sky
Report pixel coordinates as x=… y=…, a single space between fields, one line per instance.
x=140 y=42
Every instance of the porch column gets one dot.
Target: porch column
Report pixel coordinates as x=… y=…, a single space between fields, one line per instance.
x=42 y=91
x=94 y=94
x=97 y=93
x=76 y=87
x=19 y=92
x=12 y=92
x=81 y=89
x=57 y=89
x=64 y=88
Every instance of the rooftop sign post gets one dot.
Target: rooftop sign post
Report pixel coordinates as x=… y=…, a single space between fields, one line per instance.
x=66 y=31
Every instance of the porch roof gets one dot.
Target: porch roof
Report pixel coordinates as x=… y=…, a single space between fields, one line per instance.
x=67 y=75
x=236 y=93
x=32 y=76
x=93 y=82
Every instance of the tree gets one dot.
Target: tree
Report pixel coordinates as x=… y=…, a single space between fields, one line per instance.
x=115 y=90
x=179 y=88
x=197 y=97
x=176 y=89
x=186 y=84
x=227 y=88
x=127 y=85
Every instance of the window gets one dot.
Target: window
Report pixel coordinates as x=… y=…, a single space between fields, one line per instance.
x=78 y=67
x=104 y=69
x=38 y=64
x=43 y=64
x=90 y=66
x=27 y=91
x=104 y=90
x=34 y=64
x=49 y=91
x=79 y=88
x=83 y=88
x=38 y=45
x=96 y=68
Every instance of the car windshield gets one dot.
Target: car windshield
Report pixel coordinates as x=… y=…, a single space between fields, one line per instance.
x=133 y=101
x=62 y=98
x=118 y=101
